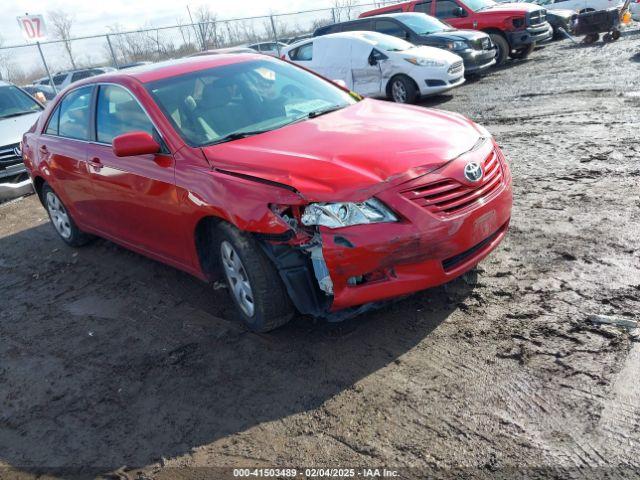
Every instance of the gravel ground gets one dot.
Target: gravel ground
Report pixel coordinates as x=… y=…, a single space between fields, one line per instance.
x=117 y=366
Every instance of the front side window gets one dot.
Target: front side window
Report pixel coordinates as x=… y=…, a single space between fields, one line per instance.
x=249 y=97
x=357 y=26
x=59 y=79
x=74 y=114
x=14 y=102
x=81 y=75
x=390 y=28
x=117 y=112
x=303 y=53
x=446 y=8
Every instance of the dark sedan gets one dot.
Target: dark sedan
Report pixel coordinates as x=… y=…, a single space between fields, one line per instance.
x=475 y=48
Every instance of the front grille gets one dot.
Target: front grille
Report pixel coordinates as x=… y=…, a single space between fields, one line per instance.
x=448 y=196
x=536 y=18
x=456 y=68
x=8 y=155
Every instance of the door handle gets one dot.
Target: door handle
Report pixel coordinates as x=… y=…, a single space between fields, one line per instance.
x=43 y=149
x=96 y=163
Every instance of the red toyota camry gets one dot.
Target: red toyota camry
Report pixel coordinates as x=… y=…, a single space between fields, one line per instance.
x=300 y=194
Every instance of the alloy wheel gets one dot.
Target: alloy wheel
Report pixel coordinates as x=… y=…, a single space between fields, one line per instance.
x=59 y=216
x=237 y=277
x=399 y=92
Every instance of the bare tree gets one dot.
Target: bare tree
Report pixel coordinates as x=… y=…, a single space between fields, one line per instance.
x=208 y=27
x=62 y=23
x=343 y=9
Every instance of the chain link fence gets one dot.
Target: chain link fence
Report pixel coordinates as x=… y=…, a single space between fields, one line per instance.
x=22 y=64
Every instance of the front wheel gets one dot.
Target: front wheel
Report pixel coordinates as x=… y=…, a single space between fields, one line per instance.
x=403 y=90
x=254 y=284
x=502 y=47
x=61 y=219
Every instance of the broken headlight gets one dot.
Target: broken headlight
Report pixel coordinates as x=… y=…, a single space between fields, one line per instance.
x=336 y=215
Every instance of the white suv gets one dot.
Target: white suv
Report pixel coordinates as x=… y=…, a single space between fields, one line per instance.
x=64 y=79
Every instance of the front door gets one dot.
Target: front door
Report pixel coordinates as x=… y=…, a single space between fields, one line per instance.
x=137 y=194
x=447 y=10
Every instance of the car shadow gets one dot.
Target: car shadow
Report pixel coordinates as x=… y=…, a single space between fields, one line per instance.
x=435 y=100
x=111 y=359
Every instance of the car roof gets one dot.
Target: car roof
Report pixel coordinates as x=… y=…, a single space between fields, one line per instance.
x=172 y=68
x=365 y=35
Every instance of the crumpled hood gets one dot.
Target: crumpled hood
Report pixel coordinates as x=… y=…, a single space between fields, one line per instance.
x=350 y=154
x=514 y=8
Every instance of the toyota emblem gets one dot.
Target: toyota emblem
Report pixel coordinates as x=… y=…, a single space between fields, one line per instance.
x=473 y=172
x=17 y=151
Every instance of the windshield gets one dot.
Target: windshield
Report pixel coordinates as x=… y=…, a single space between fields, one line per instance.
x=477 y=5
x=424 y=24
x=250 y=97
x=387 y=42
x=14 y=102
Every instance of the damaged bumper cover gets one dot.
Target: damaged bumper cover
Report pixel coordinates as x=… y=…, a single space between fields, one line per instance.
x=445 y=226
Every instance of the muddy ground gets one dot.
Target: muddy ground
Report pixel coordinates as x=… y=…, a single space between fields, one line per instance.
x=111 y=362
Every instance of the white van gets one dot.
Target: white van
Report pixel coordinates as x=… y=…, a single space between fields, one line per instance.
x=578 y=6
x=377 y=65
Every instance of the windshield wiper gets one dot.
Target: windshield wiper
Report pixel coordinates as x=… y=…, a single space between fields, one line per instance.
x=323 y=111
x=18 y=114
x=236 y=136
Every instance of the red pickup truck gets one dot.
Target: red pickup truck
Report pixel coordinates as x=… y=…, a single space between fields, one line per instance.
x=515 y=28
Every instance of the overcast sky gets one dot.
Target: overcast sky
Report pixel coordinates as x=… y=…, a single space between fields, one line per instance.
x=93 y=16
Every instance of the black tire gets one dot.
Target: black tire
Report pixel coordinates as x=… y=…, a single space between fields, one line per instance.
x=69 y=232
x=272 y=306
x=503 y=48
x=591 y=38
x=522 y=53
x=402 y=89
x=606 y=38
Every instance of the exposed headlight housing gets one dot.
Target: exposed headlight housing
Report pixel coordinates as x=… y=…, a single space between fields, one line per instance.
x=457 y=45
x=337 y=215
x=425 y=62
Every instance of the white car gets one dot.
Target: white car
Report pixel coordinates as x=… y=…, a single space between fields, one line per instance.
x=269 y=48
x=377 y=65
x=578 y=6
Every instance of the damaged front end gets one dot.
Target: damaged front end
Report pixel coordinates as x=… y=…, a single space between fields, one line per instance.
x=300 y=260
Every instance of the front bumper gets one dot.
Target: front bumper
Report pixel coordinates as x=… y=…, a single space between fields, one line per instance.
x=427 y=247
x=523 y=38
x=476 y=61
x=449 y=79
x=14 y=182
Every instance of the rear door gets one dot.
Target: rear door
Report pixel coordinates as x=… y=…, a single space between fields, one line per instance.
x=136 y=195
x=63 y=147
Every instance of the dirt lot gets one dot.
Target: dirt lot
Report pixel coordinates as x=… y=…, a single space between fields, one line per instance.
x=111 y=362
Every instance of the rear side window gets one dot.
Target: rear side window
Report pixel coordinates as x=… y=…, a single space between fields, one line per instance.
x=80 y=75
x=118 y=112
x=303 y=53
x=423 y=7
x=58 y=79
x=74 y=114
x=329 y=29
x=52 y=127
x=446 y=8
x=357 y=26
x=390 y=28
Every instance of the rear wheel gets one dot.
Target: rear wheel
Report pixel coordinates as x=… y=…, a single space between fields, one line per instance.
x=591 y=38
x=502 y=48
x=522 y=53
x=61 y=219
x=255 y=286
x=403 y=90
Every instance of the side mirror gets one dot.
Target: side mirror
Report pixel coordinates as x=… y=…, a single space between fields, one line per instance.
x=459 y=12
x=372 y=60
x=135 y=143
